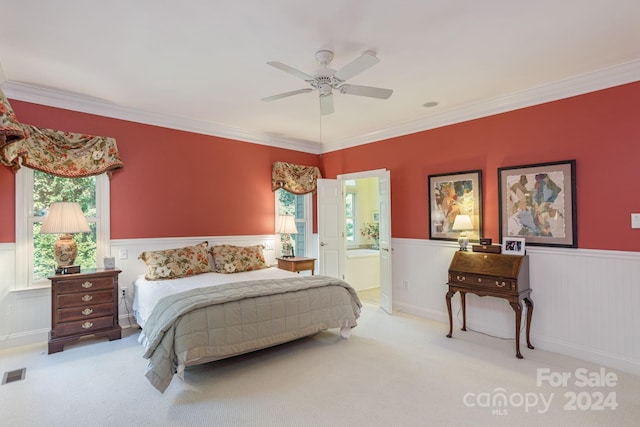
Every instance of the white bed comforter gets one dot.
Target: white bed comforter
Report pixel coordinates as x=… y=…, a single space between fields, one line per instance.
x=147 y=293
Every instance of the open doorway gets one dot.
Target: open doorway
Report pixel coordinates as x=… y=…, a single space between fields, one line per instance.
x=332 y=244
x=362 y=236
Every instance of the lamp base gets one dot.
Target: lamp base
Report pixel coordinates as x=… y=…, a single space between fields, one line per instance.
x=65 y=250
x=287 y=250
x=71 y=269
x=463 y=242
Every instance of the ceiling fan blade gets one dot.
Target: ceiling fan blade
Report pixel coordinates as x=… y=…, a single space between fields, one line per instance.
x=326 y=104
x=358 y=65
x=285 y=94
x=287 y=69
x=371 y=92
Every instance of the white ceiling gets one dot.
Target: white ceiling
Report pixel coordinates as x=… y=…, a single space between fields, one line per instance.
x=201 y=65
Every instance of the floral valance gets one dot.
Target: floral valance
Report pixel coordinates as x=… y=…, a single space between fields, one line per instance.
x=65 y=154
x=295 y=179
x=10 y=129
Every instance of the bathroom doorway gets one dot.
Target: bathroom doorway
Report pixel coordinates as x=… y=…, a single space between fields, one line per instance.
x=332 y=245
x=362 y=235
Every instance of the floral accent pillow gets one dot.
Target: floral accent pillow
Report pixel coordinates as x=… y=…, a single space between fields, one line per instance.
x=234 y=259
x=174 y=263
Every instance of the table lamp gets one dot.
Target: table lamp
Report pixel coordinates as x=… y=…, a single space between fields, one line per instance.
x=462 y=223
x=65 y=218
x=286 y=226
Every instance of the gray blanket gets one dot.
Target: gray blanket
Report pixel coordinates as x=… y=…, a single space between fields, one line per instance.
x=212 y=323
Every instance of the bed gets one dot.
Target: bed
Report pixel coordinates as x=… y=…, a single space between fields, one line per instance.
x=210 y=316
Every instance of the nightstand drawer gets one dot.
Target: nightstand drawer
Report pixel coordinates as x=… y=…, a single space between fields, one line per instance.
x=85 y=312
x=297 y=264
x=84 y=326
x=84 y=298
x=89 y=284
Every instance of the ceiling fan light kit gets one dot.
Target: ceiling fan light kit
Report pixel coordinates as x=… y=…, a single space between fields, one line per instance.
x=325 y=79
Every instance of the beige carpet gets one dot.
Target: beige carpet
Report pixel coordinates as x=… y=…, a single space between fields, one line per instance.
x=371 y=296
x=395 y=370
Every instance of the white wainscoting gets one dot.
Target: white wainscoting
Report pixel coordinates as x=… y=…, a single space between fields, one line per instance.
x=584 y=300
x=25 y=315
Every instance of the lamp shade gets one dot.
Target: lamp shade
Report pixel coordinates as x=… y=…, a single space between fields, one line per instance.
x=286 y=224
x=65 y=218
x=462 y=222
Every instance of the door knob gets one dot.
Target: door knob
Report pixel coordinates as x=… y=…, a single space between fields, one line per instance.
x=323 y=244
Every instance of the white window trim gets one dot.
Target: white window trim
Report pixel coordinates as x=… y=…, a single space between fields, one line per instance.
x=308 y=223
x=24 y=230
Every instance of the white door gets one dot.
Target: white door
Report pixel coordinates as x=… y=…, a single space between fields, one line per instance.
x=330 y=226
x=384 y=200
x=331 y=214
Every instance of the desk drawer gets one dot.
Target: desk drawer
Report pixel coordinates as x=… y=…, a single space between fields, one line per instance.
x=484 y=282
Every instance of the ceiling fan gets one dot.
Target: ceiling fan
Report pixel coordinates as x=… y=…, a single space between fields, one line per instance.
x=325 y=79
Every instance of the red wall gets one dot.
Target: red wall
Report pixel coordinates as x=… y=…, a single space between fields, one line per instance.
x=173 y=183
x=178 y=183
x=601 y=130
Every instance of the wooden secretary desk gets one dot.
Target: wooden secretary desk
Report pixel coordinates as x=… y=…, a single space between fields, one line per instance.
x=495 y=275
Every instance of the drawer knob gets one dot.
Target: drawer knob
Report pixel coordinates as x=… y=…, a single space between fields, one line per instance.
x=87 y=311
x=87 y=298
x=87 y=285
x=461 y=278
x=87 y=325
x=479 y=280
x=500 y=284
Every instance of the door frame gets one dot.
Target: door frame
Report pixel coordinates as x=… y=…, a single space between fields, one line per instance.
x=386 y=300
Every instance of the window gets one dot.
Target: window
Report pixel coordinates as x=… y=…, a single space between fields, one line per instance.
x=350 y=216
x=35 y=191
x=300 y=207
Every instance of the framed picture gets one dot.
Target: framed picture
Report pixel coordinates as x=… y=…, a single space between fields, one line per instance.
x=452 y=194
x=375 y=216
x=538 y=203
x=513 y=246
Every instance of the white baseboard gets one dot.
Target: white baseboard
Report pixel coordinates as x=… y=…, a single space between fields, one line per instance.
x=26 y=338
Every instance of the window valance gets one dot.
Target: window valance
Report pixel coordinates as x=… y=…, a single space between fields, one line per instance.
x=65 y=154
x=295 y=179
x=10 y=129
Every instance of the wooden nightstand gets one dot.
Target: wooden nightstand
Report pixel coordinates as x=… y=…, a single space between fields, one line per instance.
x=83 y=304
x=297 y=264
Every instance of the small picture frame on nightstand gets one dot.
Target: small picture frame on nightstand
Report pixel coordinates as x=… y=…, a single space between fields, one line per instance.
x=109 y=263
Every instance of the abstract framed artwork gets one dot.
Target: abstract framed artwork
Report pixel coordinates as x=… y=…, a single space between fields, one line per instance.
x=451 y=194
x=538 y=203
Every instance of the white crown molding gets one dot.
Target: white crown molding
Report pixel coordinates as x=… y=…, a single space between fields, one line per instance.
x=577 y=85
x=84 y=104
x=597 y=80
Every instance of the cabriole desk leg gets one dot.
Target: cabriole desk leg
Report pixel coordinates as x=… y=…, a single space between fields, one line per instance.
x=449 y=295
x=463 y=302
x=517 y=307
x=529 y=304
